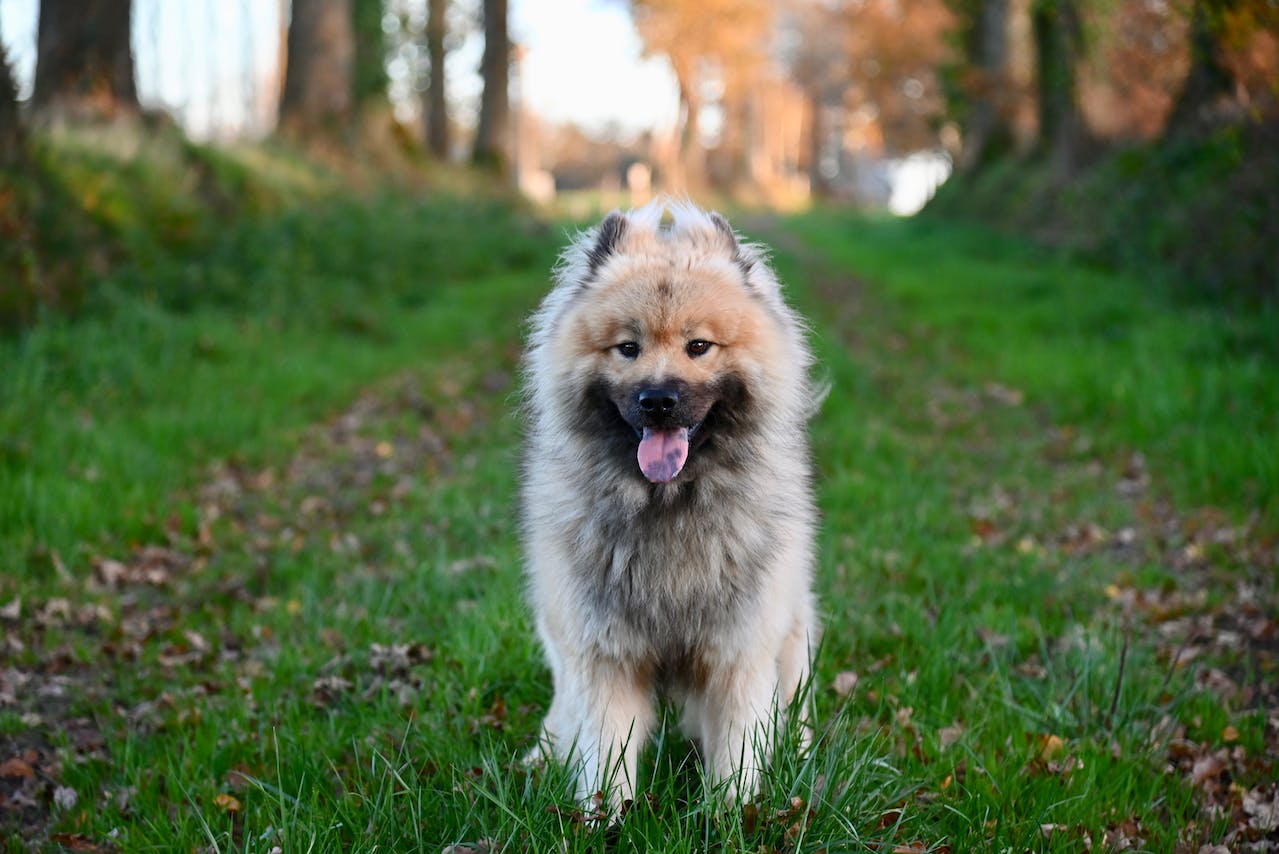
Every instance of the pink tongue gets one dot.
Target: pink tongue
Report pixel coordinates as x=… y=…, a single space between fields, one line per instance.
x=662 y=453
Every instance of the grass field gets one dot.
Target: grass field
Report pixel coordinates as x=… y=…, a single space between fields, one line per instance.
x=262 y=586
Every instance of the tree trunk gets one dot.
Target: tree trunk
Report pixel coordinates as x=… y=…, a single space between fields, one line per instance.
x=988 y=132
x=84 y=62
x=735 y=138
x=1209 y=83
x=1059 y=46
x=490 y=133
x=690 y=155
x=370 y=78
x=818 y=186
x=437 y=110
x=318 y=76
x=11 y=139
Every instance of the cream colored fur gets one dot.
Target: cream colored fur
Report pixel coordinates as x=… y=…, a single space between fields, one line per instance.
x=698 y=590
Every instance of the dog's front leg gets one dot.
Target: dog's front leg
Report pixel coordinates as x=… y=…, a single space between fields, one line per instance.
x=738 y=714
x=604 y=712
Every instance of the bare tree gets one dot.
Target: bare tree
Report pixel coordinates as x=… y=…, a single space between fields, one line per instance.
x=819 y=66
x=1209 y=84
x=369 y=76
x=84 y=63
x=318 y=80
x=10 y=123
x=495 y=107
x=437 y=111
x=988 y=130
x=726 y=38
x=1059 y=51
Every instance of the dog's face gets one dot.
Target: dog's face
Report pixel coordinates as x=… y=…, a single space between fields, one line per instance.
x=665 y=341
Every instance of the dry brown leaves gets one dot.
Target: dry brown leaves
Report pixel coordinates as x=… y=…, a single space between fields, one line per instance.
x=1217 y=618
x=134 y=605
x=793 y=820
x=29 y=786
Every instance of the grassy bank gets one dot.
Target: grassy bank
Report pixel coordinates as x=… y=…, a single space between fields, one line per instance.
x=1195 y=218
x=1191 y=387
x=184 y=353
x=265 y=585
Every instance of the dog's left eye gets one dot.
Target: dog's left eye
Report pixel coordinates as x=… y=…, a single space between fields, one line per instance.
x=697 y=347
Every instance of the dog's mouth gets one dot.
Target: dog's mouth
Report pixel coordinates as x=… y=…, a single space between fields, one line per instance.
x=667 y=422
x=662 y=453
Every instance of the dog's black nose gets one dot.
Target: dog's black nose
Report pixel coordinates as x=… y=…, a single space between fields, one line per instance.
x=658 y=400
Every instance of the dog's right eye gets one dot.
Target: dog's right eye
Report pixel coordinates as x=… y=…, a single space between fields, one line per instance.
x=628 y=349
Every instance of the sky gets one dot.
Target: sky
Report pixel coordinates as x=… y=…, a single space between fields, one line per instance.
x=583 y=62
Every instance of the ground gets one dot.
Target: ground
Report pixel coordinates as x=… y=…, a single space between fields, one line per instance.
x=267 y=592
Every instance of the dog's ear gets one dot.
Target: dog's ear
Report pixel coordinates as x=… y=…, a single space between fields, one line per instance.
x=729 y=239
x=724 y=230
x=606 y=240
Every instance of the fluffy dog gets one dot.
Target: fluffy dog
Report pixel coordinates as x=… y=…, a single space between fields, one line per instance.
x=667 y=506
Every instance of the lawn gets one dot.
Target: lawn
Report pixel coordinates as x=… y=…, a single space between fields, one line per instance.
x=262 y=584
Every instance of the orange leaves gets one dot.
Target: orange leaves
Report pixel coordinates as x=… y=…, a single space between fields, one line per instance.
x=227 y=803
x=1049 y=747
x=1051 y=757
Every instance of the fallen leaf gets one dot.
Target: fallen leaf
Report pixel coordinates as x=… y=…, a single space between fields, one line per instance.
x=1230 y=734
x=983 y=529
x=1050 y=746
x=112 y=572
x=65 y=797
x=890 y=819
x=845 y=682
x=228 y=802
x=483 y=846
x=1065 y=767
x=1263 y=813
x=494 y=718
x=16 y=768
x=948 y=735
x=1208 y=768
x=326 y=689
x=13 y=610
x=1006 y=395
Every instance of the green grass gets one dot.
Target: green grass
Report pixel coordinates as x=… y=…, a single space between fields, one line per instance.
x=314 y=417
x=1191 y=387
x=182 y=360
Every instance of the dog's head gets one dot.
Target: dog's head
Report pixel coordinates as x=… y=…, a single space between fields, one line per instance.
x=667 y=335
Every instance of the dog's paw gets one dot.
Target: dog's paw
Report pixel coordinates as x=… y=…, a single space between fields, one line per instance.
x=536 y=756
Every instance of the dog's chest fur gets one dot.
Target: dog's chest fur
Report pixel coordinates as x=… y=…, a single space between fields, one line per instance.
x=672 y=571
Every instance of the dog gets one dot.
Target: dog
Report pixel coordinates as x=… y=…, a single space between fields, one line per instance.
x=668 y=517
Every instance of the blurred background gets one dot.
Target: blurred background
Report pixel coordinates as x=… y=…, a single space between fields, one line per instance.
x=869 y=101
x=1134 y=130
